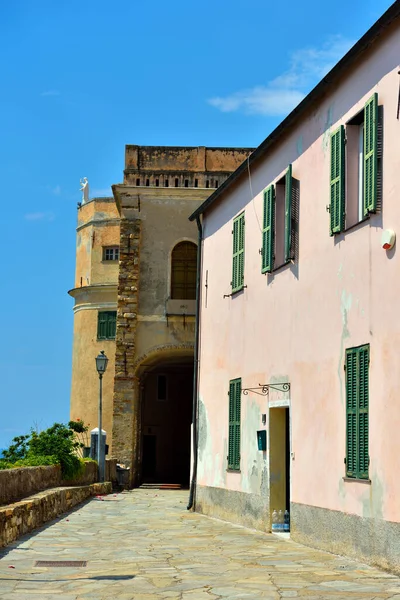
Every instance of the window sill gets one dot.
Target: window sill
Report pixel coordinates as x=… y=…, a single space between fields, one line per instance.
x=280 y=267
x=233 y=471
x=355 y=480
x=116 y=260
x=277 y=269
x=352 y=227
x=106 y=339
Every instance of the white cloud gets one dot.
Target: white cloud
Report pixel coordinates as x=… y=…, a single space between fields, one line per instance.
x=50 y=93
x=39 y=216
x=280 y=95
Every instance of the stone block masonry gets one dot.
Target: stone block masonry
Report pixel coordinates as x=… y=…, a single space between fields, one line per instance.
x=26 y=515
x=125 y=383
x=19 y=483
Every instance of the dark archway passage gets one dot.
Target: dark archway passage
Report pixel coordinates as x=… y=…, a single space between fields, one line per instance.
x=166 y=423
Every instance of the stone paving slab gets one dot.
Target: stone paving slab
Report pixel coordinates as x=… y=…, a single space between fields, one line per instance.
x=145 y=545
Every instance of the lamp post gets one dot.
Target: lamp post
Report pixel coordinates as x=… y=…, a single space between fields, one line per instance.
x=101 y=366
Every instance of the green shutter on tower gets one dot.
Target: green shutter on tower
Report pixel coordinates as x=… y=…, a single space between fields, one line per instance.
x=370 y=154
x=238 y=254
x=101 y=326
x=288 y=213
x=235 y=390
x=337 y=181
x=267 y=252
x=106 y=325
x=357 y=401
x=111 y=325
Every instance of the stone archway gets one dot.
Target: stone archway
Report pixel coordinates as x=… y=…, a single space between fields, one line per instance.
x=165 y=374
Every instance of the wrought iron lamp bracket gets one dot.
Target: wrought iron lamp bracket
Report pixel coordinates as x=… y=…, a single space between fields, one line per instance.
x=263 y=389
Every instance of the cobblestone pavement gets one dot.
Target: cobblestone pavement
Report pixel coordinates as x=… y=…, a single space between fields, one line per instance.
x=145 y=545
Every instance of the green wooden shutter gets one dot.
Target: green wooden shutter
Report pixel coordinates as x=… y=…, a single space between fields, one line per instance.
x=363 y=401
x=370 y=154
x=111 y=325
x=238 y=254
x=101 y=326
x=235 y=390
x=357 y=400
x=337 y=177
x=288 y=214
x=231 y=439
x=351 y=413
x=267 y=253
x=238 y=392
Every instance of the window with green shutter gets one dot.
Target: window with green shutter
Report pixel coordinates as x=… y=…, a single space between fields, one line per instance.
x=106 y=325
x=268 y=237
x=235 y=391
x=278 y=231
x=355 y=168
x=337 y=176
x=238 y=254
x=357 y=400
x=288 y=214
x=370 y=154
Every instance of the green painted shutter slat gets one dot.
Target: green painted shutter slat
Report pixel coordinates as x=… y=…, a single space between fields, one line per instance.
x=357 y=401
x=363 y=401
x=238 y=392
x=267 y=252
x=238 y=253
x=337 y=181
x=101 y=326
x=370 y=154
x=235 y=390
x=106 y=325
x=288 y=213
x=351 y=413
x=112 y=324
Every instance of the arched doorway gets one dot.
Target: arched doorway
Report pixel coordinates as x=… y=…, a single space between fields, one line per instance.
x=166 y=417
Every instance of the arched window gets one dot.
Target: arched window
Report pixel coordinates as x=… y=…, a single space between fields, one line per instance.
x=183 y=271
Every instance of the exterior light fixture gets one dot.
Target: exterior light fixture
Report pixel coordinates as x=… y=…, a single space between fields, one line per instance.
x=101 y=366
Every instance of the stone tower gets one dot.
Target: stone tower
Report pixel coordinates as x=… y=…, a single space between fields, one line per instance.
x=135 y=298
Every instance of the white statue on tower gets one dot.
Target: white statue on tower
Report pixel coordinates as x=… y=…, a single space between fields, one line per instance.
x=85 y=190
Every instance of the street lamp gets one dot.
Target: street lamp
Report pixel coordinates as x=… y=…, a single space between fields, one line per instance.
x=101 y=366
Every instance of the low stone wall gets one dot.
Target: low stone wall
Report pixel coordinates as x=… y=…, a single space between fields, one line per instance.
x=25 y=481
x=111 y=471
x=22 y=482
x=26 y=515
x=90 y=475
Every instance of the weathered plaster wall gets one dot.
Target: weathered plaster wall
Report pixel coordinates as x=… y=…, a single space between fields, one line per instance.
x=96 y=289
x=85 y=380
x=98 y=226
x=295 y=324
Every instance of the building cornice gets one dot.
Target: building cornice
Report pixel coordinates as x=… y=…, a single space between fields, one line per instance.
x=138 y=194
x=92 y=289
x=99 y=223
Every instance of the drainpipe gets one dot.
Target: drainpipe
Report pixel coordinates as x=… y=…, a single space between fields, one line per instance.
x=196 y=367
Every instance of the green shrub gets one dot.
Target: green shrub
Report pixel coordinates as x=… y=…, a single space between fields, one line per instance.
x=55 y=445
x=31 y=461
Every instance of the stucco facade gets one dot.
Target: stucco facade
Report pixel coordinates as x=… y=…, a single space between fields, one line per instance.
x=146 y=299
x=290 y=326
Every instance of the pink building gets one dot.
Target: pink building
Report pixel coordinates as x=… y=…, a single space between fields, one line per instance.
x=299 y=330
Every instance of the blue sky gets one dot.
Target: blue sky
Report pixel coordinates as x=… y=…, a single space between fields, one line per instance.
x=82 y=79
